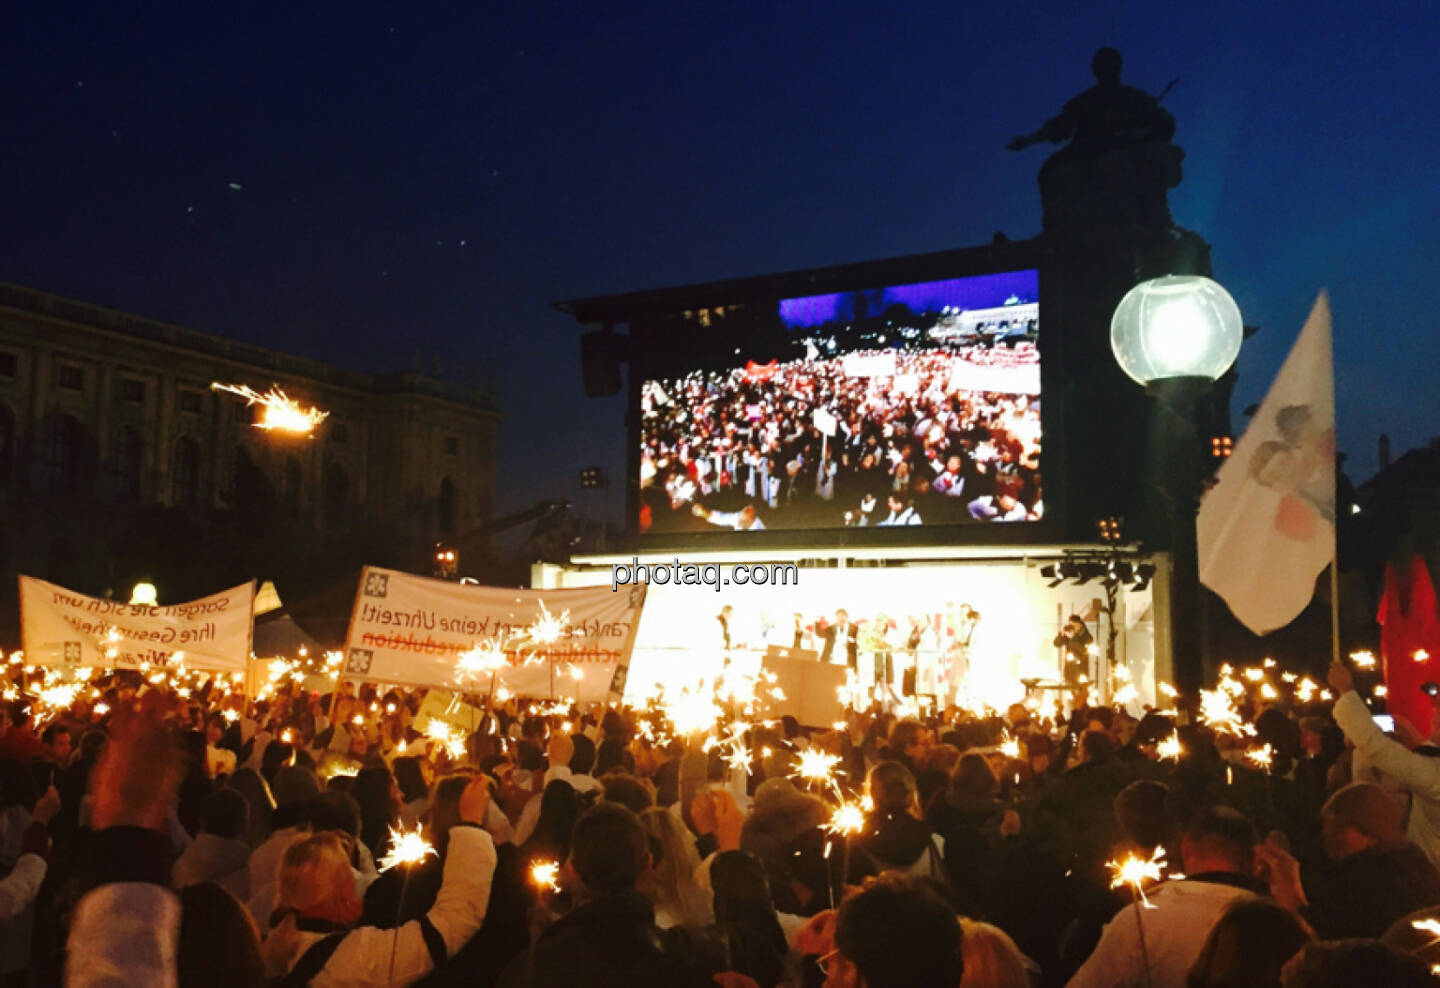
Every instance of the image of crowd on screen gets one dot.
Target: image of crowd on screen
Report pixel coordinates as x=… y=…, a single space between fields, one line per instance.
x=827 y=442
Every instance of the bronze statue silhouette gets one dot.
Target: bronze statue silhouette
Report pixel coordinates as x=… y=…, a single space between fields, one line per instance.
x=1113 y=175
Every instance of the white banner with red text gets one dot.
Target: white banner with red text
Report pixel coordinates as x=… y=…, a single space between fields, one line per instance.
x=412 y=630
x=61 y=629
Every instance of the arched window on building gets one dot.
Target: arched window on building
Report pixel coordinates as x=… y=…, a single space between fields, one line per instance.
x=64 y=452
x=446 y=507
x=7 y=442
x=126 y=463
x=247 y=487
x=185 y=473
x=337 y=497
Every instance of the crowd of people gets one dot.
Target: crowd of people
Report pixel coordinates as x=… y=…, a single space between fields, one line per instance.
x=872 y=438
x=155 y=836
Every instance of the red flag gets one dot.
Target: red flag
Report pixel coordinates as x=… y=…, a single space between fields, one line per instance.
x=1409 y=641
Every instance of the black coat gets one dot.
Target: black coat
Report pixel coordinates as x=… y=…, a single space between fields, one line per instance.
x=1360 y=896
x=611 y=942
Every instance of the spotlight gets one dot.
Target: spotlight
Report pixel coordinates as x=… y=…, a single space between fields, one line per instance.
x=1051 y=573
x=1109 y=529
x=1143 y=575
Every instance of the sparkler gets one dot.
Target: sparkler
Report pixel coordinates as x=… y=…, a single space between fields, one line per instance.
x=1135 y=871
x=1009 y=747
x=1170 y=747
x=1217 y=711
x=1363 y=659
x=848 y=818
x=1264 y=756
x=280 y=412
x=406 y=848
x=818 y=766
x=545 y=875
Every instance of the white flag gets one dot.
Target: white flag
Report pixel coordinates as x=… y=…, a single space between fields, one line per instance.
x=1267 y=528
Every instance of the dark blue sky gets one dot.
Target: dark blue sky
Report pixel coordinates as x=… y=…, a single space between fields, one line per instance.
x=427 y=177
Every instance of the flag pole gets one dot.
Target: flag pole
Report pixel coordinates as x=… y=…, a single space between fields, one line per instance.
x=1335 y=602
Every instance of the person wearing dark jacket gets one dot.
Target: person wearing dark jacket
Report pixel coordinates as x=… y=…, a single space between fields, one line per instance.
x=504 y=932
x=895 y=835
x=610 y=941
x=1376 y=875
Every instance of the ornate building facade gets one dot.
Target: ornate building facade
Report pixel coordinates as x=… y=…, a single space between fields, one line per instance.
x=109 y=428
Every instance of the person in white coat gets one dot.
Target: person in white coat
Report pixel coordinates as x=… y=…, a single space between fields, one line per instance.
x=1419 y=773
x=319 y=898
x=1217 y=848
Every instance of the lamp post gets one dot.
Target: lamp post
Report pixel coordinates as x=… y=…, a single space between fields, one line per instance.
x=1175 y=336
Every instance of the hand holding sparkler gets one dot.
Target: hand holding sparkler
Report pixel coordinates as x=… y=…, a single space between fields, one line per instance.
x=475 y=801
x=1282 y=871
x=1340 y=678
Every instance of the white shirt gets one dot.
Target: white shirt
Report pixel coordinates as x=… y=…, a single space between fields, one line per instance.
x=1175 y=931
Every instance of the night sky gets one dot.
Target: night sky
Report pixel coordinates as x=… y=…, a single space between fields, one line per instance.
x=359 y=182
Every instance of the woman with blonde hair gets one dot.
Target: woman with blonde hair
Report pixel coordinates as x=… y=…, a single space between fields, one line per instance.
x=670 y=883
x=317 y=941
x=991 y=958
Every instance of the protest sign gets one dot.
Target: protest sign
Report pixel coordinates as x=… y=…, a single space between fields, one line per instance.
x=412 y=630
x=60 y=628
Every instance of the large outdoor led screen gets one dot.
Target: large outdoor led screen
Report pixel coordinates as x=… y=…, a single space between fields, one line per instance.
x=910 y=405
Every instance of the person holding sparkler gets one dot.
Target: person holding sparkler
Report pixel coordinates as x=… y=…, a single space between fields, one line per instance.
x=317 y=893
x=1156 y=939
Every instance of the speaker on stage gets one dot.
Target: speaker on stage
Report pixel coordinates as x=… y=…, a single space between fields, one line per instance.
x=601 y=353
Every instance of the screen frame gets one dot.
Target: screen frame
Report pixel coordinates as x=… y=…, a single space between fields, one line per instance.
x=656 y=327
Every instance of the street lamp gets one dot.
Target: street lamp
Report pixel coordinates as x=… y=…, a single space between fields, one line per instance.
x=1175 y=336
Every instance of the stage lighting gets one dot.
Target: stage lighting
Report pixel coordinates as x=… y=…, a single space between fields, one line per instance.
x=1143 y=575
x=1050 y=573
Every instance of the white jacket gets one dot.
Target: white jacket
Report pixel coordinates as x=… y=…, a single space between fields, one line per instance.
x=367 y=955
x=124 y=934
x=1419 y=773
x=19 y=888
x=1175 y=930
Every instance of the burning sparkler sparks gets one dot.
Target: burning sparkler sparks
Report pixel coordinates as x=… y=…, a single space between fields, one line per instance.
x=1363 y=660
x=406 y=848
x=817 y=766
x=1170 y=747
x=1135 y=871
x=545 y=875
x=1009 y=747
x=279 y=412
x=1218 y=712
x=848 y=818
x=1264 y=756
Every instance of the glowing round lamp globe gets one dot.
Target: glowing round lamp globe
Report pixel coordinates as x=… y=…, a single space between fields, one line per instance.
x=1176 y=326
x=144 y=595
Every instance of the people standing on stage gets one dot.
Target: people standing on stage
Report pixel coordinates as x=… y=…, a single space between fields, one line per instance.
x=1075 y=640
x=847 y=636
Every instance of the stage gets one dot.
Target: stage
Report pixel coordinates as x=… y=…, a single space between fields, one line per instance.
x=947 y=628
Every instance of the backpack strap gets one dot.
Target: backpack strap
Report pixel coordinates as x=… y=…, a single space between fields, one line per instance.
x=312 y=962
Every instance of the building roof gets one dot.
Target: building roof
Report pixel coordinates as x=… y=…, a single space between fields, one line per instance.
x=114 y=321
x=621 y=308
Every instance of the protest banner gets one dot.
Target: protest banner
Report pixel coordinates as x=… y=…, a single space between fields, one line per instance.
x=411 y=630
x=60 y=629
